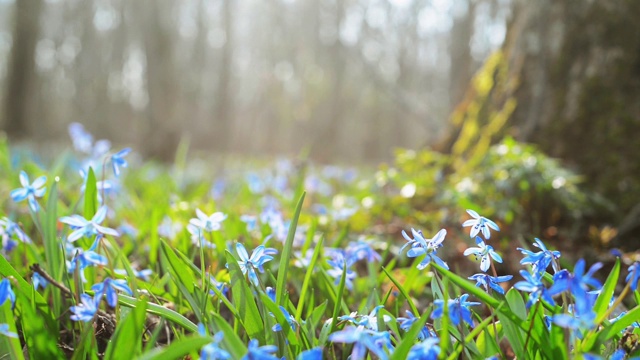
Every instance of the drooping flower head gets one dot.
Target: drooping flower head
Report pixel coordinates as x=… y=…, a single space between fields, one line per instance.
x=427 y=349
x=258 y=352
x=362 y=339
x=490 y=282
x=484 y=252
x=86 y=310
x=212 y=351
x=6 y=293
x=118 y=161
x=532 y=284
x=30 y=191
x=480 y=224
x=109 y=288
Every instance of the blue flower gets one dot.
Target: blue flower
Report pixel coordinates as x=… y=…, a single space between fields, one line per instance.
x=117 y=160
x=541 y=259
x=108 y=287
x=484 y=252
x=369 y=321
x=480 y=224
x=83 y=227
x=257 y=352
x=406 y=323
x=488 y=281
x=634 y=275
x=420 y=245
x=30 y=191
x=360 y=250
x=9 y=230
x=6 y=292
x=212 y=351
x=38 y=281
x=290 y=319
x=338 y=266
x=85 y=259
x=313 y=354
x=577 y=321
x=363 y=340
x=533 y=284
x=248 y=265
x=577 y=283
x=4 y=330
x=458 y=309
x=144 y=274
x=86 y=310
x=427 y=349
x=206 y=222
x=82 y=140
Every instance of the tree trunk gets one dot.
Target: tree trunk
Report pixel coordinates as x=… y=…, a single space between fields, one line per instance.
x=573 y=70
x=21 y=71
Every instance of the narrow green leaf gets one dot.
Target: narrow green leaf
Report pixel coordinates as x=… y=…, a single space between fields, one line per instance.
x=602 y=302
x=285 y=258
x=402 y=350
x=183 y=278
x=9 y=346
x=41 y=342
x=280 y=319
x=178 y=349
x=338 y=302
x=243 y=300
x=90 y=195
x=52 y=247
x=404 y=293
x=307 y=278
x=234 y=345
x=615 y=328
x=127 y=338
x=161 y=311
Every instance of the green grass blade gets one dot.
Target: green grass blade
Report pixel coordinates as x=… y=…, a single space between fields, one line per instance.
x=158 y=310
x=285 y=258
x=307 y=278
x=9 y=346
x=40 y=340
x=602 y=302
x=90 y=195
x=338 y=302
x=402 y=350
x=178 y=349
x=127 y=338
x=233 y=344
x=404 y=293
x=52 y=247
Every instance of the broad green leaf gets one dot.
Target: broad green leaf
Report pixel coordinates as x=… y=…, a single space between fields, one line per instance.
x=40 y=340
x=243 y=301
x=604 y=298
x=127 y=338
x=183 y=277
x=9 y=346
x=285 y=258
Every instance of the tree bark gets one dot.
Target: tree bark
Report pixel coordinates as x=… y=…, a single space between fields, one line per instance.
x=21 y=71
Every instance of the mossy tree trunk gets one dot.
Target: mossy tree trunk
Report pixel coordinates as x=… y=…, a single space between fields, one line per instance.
x=576 y=70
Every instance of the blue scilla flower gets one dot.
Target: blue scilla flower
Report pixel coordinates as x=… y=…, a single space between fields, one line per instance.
x=427 y=349
x=339 y=264
x=362 y=249
x=82 y=140
x=144 y=274
x=84 y=259
x=212 y=351
x=109 y=288
x=406 y=323
x=38 y=281
x=369 y=321
x=362 y=339
x=4 y=330
x=118 y=161
x=577 y=283
x=249 y=265
x=419 y=246
x=206 y=222
x=533 y=284
x=257 y=352
x=634 y=275
x=6 y=293
x=540 y=260
x=88 y=228
x=290 y=320
x=480 y=224
x=11 y=230
x=86 y=310
x=458 y=309
x=576 y=320
x=312 y=354
x=490 y=282
x=484 y=252
x=30 y=191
